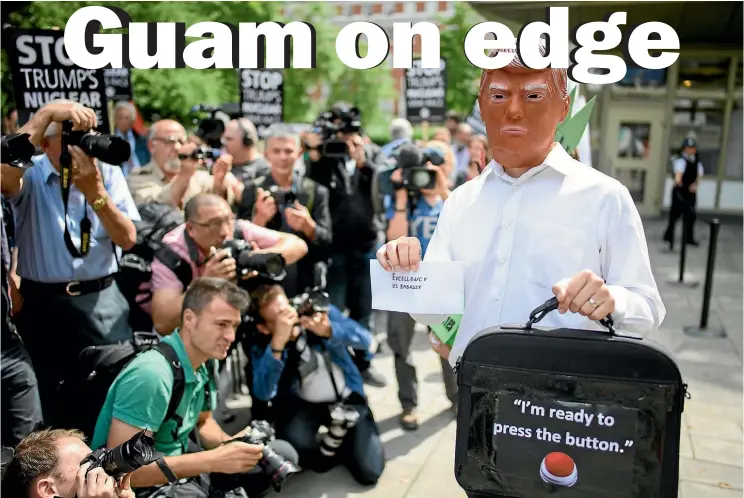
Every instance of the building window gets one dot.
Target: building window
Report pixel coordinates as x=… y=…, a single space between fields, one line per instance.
x=420 y=6
x=639 y=77
x=339 y=10
x=356 y=10
x=399 y=7
x=739 y=82
x=442 y=6
x=704 y=74
x=377 y=8
x=701 y=119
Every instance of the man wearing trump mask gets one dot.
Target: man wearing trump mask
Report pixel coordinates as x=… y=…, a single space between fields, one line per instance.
x=536 y=224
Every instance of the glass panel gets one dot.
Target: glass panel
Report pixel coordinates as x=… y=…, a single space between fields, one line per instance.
x=638 y=77
x=701 y=119
x=634 y=179
x=633 y=140
x=709 y=74
x=739 y=75
x=734 y=158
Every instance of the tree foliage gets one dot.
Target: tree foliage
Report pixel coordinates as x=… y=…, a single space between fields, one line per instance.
x=462 y=76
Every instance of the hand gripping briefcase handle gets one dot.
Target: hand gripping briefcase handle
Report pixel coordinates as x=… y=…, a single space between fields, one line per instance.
x=551 y=305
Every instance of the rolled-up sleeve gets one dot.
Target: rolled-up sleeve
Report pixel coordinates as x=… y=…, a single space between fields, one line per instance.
x=626 y=266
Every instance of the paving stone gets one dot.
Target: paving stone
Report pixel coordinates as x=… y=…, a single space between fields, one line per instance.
x=717 y=450
x=710 y=473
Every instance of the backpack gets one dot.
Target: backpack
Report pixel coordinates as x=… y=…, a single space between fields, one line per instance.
x=578 y=413
x=135 y=265
x=89 y=379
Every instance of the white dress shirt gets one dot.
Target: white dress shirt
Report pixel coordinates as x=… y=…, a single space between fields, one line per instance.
x=520 y=236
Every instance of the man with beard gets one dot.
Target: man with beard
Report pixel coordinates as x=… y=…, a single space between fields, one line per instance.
x=537 y=222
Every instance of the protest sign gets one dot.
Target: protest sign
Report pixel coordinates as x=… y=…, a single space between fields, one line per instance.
x=261 y=97
x=588 y=448
x=42 y=72
x=436 y=288
x=425 y=93
x=118 y=84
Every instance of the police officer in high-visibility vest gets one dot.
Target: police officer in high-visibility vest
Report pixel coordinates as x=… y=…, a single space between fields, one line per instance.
x=688 y=170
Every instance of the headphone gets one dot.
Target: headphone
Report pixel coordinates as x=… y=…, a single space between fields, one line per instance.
x=247 y=140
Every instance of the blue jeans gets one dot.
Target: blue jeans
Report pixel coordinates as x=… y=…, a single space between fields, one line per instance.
x=361 y=452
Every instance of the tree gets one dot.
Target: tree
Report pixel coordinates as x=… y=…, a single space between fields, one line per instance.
x=169 y=93
x=462 y=76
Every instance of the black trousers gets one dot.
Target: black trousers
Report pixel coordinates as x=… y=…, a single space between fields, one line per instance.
x=361 y=451
x=56 y=327
x=683 y=205
x=21 y=413
x=349 y=286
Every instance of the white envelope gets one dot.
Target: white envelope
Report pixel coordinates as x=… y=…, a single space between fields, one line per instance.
x=436 y=288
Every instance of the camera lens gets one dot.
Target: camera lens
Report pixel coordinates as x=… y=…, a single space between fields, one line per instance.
x=276 y=467
x=109 y=149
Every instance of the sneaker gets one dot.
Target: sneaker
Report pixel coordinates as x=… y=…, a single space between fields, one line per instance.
x=374 y=378
x=409 y=419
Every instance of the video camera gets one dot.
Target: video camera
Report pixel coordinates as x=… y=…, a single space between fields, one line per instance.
x=107 y=148
x=211 y=127
x=274 y=466
x=415 y=174
x=17 y=150
x=340 y=119
x=269 y=266
x=125 y=458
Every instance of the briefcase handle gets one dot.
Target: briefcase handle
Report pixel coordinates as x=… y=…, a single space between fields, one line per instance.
x=551 y=305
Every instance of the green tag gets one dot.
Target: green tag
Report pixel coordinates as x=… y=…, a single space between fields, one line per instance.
x=447 y=329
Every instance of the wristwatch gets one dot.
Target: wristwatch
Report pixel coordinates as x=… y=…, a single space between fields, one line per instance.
x=99 y=203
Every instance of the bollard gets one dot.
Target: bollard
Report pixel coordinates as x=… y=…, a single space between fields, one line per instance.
x=683 y=249
x=703 y=330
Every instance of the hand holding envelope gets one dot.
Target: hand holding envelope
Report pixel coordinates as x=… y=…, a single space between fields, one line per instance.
x=402 y=282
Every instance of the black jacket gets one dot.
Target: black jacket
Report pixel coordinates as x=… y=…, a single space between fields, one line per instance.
x=299 y=275
x=355 y=226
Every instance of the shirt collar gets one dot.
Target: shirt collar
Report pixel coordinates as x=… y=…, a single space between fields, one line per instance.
x=47 y=168
x=177 y=343
x=557 y=159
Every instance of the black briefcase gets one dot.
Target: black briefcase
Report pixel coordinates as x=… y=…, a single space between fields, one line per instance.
x=567 y=413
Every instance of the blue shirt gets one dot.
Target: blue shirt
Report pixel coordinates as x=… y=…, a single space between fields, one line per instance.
x=423 y=222
x=40 y=226
x=267 y=370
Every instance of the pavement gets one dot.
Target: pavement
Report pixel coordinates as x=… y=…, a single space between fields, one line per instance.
x=421 y=463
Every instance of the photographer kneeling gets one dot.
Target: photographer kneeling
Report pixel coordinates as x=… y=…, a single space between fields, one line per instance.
x=140 y=397
x=47 y=464
x=293 y=355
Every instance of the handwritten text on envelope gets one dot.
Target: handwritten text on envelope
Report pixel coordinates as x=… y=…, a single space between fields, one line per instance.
x=436 y=288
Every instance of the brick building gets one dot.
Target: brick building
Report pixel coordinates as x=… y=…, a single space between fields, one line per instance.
x=385 y=14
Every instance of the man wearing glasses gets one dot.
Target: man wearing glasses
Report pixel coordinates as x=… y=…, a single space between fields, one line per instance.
x=171 y=180
x=209 y=223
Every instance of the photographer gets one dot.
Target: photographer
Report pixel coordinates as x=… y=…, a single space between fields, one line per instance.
x=415 y=214
x=70 y=299
x=240 y=140
x=199 y=244
x=170 y=179
x=348 y=174
x=292 y=368
x=46 y=464
x=287 y=202
x=140 y=396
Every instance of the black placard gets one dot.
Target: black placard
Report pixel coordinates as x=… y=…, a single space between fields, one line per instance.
x=261 y=97
x=425 y=93
x=118 y=84
x=42 y=72
x=571 y=449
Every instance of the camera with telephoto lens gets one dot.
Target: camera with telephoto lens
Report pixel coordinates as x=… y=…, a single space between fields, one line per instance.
x=107 y=148
x=268 y=265
x=201 y=153
x=212 y=122
x=125 y=458
x=311 y=302
x=275 y=466
x=412 y=160
x=343 y=418
x=17 y=150
x=340 y=119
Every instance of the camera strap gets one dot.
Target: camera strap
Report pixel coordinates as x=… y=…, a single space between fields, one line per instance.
x=65 y=179
x=329 y=367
